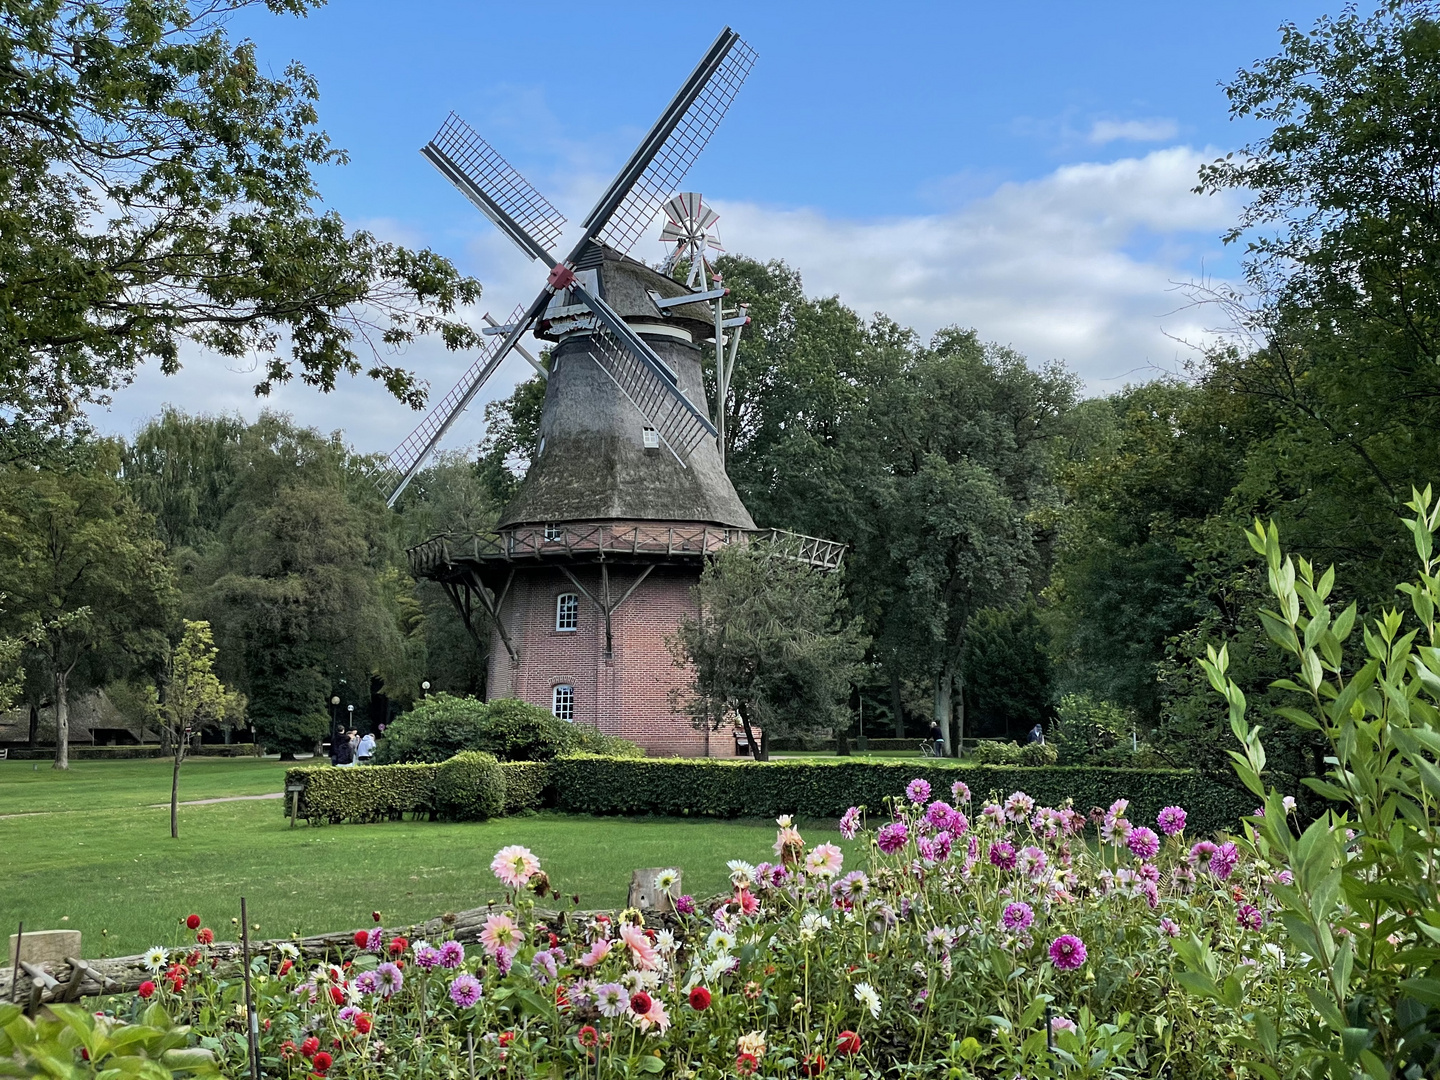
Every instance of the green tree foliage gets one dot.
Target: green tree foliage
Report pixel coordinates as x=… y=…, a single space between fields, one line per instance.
x=162 y=184
x=772 y=641
x=1008 y=673
x=512 y=436
x=87 y=581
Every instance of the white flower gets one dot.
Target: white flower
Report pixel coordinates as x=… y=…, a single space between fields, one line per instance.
x=155 y=958
x=718 y=967
x=1289 y=804
x=721 y=941
x=1275 y=953
x=811 y=923
x=741 y=873
x=290 y=952
x=664 y=942
x=865 y=994
x=784 y=821
x=665 y=880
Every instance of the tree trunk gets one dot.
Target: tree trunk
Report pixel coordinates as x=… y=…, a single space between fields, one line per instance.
x=35 y=726
x=897 y=705
x=960 y=715
x=62 y=718
x=944 y=704
x=175 y=790
x=756 y=750
x=842 y=742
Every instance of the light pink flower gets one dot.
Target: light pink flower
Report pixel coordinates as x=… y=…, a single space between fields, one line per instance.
x=656 y=1017
x=598 y=952
x=824 y=860
x=641 y=950
x=514 y=865
x=500 y=932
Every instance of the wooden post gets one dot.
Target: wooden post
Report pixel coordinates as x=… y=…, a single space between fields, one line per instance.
x=15 y=971
x=252 y=1025
x=294 y=791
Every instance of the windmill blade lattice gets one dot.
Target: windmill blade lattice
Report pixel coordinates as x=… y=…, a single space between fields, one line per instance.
x=681 y=429
x=497 y=182
x=688 y=224
x=405 y=460
x=662 y=176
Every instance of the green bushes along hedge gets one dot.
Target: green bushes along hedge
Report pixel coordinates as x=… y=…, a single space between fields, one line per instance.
x=442 y=725
x=824 y=788
x=469 y=787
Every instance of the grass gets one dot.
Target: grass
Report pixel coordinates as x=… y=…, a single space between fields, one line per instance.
x=102 y=861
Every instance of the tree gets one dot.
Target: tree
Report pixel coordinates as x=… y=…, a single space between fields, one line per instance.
x=160 y=189
x=84 y=572
x=957 y=494
x=1008 y=673
x=772 y=641
x=195 y=699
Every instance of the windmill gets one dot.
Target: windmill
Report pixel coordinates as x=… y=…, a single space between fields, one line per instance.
x=688 y=225
x=621 y=215
x=592 y=564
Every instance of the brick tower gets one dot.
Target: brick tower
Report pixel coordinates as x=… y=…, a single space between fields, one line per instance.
x=594 y=562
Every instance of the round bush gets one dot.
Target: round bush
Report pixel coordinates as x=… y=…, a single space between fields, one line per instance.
x=1038 y=754
x=470 y=787
x=442 y=725
x=995 y=752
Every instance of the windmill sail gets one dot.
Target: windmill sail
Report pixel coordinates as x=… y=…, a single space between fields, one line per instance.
x=655 y=171
x=493 y=185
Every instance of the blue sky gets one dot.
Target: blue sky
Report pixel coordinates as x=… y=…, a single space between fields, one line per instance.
x=1023 y=168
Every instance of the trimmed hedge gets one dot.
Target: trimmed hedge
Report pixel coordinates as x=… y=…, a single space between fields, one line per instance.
x=86 y=752
x=527 y=785
x=677 y=787
x=361 y=793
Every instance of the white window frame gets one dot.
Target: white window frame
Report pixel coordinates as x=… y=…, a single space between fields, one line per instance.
x=552 y=533
x=567 y=610
x=650 y=438
x=562 y=702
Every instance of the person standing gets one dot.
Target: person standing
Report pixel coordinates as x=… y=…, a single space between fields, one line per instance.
x=1037 y=734
x=938 y=738
x=366 y=749
x=340 y=750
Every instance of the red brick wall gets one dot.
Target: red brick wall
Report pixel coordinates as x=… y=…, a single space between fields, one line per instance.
x=626 y=694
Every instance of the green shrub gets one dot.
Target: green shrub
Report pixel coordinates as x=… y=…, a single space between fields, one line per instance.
x=470 y=787
x=1036 y=754
x=995 y=752
x=527 y=785
x=441 y=726
x=823 y=788
x=363 y=792
x=1090 y=732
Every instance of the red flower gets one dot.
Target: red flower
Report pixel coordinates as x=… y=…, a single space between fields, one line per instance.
x=337 y=995
x=177 y=982
x=554 y=941
x=375 y=915
x=562 y=999
x=192 y=921
x=363 y=1023
x=309 y=1047
x=813 y=1065
x=193 y=960
x=588 y=1036
x=849 y=1044
x=640 y=1002
x=205 y=935
x=146 y=989
x=398 y=945
x=85 y=1053
x=506 y=1038
x=336 y=1043
x=699 y=999
x=321 y=1062
x=746 y=1064
x=287 y=1049
x=362 y=937
x=286 y=966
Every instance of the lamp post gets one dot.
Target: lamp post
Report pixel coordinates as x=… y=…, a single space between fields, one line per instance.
x=425 y=688
x=334 y=719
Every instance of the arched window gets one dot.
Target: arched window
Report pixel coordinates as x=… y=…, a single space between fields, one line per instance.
x=567 y=611
x=562 y=702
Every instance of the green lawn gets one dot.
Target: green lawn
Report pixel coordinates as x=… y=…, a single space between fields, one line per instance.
x=105 y=864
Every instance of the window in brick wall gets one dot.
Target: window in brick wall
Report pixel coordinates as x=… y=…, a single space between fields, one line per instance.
x=552 y=533
x=567 y=611
x=562 y=702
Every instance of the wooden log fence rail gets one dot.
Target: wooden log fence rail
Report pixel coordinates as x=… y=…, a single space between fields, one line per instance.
x=38 y=986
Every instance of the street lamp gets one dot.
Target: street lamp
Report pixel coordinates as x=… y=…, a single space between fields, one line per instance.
x=424 y=687
x=334 y=719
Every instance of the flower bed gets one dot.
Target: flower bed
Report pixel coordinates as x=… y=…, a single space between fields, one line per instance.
x=993 y=940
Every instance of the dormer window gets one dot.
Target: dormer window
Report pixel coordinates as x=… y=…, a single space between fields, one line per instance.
x=650 y=437
x=552 y=533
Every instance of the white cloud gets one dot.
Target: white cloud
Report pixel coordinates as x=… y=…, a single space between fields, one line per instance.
x=1155 y=130
x=1076 y=266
